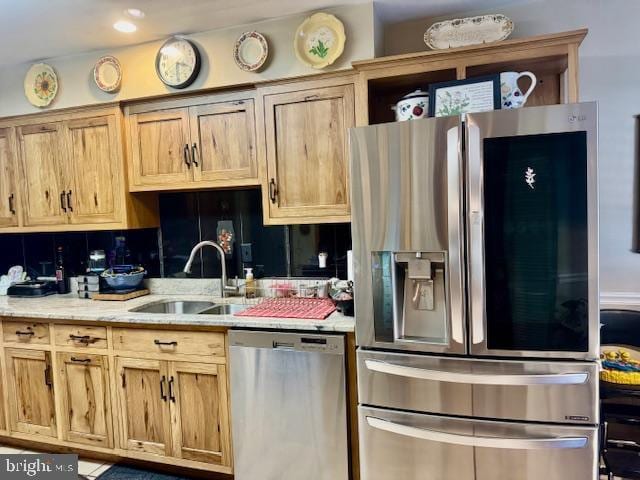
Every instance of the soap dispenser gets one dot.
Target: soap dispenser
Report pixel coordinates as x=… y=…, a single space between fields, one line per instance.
x=249 y=284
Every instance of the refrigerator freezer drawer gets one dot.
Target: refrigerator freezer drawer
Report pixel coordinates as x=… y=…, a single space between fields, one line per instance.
x=540 y=391
x=414 y=446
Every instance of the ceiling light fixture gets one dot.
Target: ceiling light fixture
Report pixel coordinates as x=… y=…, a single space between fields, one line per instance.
x=125 y=26
x=134 y=13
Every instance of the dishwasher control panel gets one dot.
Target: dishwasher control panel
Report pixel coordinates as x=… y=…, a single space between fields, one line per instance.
x=287 y=341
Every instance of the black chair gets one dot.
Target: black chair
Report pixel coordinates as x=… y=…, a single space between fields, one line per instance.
x=620 y=404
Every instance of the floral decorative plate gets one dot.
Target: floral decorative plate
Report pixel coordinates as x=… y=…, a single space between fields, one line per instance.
x=107 y=74
x=250 y=51
x=319 y=40
x=463 y=32
x=41 y=84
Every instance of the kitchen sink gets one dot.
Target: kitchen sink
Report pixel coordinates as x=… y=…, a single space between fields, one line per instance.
x=175 y=307
x=223 y=309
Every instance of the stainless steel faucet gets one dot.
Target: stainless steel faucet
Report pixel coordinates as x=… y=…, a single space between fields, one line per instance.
x=225 y=288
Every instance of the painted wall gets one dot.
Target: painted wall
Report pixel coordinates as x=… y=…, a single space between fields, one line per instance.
x=610 y=74
x=75 y=73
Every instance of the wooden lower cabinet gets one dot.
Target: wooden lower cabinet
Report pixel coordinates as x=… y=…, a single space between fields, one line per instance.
x=143 y=405
x=86 y=388
x=176 y=409
x=199 y=412
x=30 y=389
x=84 y=394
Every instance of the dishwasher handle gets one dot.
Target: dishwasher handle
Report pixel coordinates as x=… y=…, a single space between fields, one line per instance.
x=284 y=345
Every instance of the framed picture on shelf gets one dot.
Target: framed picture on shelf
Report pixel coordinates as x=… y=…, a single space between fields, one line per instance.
x=457 y=97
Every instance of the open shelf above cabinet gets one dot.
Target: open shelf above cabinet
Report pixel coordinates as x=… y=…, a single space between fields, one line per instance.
x=553 y=59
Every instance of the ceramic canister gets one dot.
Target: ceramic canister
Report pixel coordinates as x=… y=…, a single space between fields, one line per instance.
x=412 y=106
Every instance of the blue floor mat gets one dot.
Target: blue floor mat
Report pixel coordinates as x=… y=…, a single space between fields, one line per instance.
x=120 y=472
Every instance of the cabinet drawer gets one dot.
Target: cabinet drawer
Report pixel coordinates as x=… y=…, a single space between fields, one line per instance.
x=80 y=336
x=169 y=342
x=26 y=332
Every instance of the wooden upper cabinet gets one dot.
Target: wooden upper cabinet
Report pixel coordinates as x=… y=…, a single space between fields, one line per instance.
x=199 y=412
x=223 y=142
x=30 y=389
x=307 y=154
x=8 y=188
x=42 y=157
x=95 y=180
x=160 y=152
x=144 y=411
x=85 y=400
x=206 y=142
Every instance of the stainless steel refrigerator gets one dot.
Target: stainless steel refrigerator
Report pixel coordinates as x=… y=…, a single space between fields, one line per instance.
x=476 y=286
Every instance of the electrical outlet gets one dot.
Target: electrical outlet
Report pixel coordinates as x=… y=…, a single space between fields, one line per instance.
x=247 y=256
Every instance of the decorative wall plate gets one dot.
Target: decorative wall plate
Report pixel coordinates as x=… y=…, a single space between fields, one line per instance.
x=107 y=74
x=41 y=84
x=319 y=40
x=250 y=51
x=463 y=32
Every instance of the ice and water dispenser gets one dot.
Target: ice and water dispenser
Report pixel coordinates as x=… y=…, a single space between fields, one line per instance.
x=409 y=295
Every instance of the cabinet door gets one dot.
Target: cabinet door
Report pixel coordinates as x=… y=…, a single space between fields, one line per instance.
x=144 y=409
x=160 y=152
x=223 y=137
x=199 y=412
x=41 y=159
x=306 y=139
x=30 y=385
x=95 y=182
x=8 y=190
x=84 y=395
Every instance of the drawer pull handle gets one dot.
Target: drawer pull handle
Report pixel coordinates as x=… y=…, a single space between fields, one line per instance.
x=169 y=344
x=194 y=154
x=81 y=360
x=62 y=200
x=186 y=155
x=69 y=205
x=273 y=190
x=11 y=207
x=30 y=333
x=163 y=396
x=172 y=395
x=80 y=338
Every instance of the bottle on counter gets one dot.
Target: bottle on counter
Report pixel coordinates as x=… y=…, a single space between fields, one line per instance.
x=62 y=281
x=249 y=283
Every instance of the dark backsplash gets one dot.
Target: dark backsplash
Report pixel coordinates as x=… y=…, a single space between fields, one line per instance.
x=186 y=219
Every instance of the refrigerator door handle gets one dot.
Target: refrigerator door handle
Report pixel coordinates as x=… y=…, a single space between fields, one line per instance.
x=476 y=236
x=455 y=227
x=478 y=378
x=535 y=443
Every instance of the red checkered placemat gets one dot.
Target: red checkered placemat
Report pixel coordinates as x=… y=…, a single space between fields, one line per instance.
x=311 y=308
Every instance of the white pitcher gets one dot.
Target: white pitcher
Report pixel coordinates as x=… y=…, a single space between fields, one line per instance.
x=510 y=93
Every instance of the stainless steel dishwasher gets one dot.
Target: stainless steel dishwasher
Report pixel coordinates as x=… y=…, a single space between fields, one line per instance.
x=288 y=406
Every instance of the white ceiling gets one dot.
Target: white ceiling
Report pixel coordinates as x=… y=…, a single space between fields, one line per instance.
x=37 y=29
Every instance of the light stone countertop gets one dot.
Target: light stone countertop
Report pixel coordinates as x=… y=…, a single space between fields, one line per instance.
x=71 y=308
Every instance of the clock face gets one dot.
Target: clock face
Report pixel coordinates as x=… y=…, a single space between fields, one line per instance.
x=178 y=62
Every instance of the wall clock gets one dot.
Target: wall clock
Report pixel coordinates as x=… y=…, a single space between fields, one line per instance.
x=178 y=62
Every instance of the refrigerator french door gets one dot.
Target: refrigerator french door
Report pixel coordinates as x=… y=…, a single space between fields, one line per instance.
x=475 y=260
x=478 y=237
x=532 y=222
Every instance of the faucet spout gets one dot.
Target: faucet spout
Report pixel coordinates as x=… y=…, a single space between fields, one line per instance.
x=223 y=266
